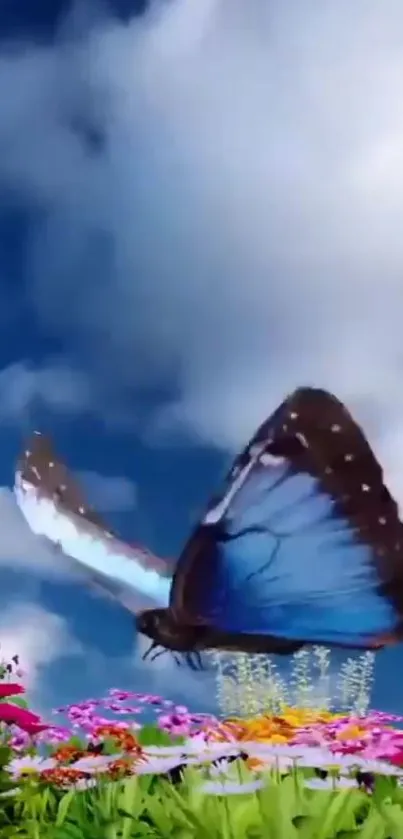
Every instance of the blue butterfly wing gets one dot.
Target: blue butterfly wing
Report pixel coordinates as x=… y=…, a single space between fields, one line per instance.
x=305 y=542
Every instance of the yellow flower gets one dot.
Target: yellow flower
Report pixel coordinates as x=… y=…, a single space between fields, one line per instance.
x=278 y=738
x=353 y=732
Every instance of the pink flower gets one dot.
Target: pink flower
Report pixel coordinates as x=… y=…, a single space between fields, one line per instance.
x=397 y=758
x=13 y=714
x=176 y=724
x=121 y=695
x=10 y=689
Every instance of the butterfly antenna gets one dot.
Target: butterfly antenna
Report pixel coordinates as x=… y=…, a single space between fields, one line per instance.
x=176 y=659
x=199 y=660
x=149 y=650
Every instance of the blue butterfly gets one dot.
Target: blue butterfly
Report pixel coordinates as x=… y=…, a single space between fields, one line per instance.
x=303 y=545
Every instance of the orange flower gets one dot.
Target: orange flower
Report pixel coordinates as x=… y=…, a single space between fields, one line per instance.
x=119 y=768
x=275 y=728
x=68 y=754
x=123 y=737
x=352 y=732
x=255 y=764
x=63 y=776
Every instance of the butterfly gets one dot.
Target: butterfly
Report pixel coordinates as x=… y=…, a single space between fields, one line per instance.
x=302 y=545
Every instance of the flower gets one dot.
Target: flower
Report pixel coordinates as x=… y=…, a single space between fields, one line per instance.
x=380 y=767
x=10 y=689
x=197 y=746
x=84 y=783
x=158 y=766
x=230 y=787
x=94 y=763
x=256 y=748
x=322 y=758
x=19 y=740
x=119 y=733
x=21 y=717
x=175 y=723
x=120 y=768
x=63 y=776
x=330 y=783
x=67 y=754
x=54 y=734
x=19 y=767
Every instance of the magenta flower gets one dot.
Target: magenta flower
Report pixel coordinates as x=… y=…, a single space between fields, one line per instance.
x=26 y=720
x=10 y=689
x=176 y=724
x=121 y=695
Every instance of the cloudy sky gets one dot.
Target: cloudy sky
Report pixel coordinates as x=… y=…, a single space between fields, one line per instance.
x=200 y=208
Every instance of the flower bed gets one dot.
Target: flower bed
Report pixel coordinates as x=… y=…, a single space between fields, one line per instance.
x=299 y=773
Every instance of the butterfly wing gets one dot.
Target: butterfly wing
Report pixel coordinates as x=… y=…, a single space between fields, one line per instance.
x=304 y=542
x=54 y=507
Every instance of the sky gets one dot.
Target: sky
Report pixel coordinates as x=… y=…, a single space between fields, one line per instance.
x=200 y=209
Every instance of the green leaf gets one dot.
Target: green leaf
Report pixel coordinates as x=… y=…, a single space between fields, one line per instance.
x=77 y=742
x=17 y=700
x=373 y=828
x=392 y=815
x=276 y=819
x=152 y=735
x=64 y=807
x=6 y=754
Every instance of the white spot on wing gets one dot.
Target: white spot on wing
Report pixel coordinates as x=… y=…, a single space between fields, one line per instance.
x=267 y=459
x=302 y=439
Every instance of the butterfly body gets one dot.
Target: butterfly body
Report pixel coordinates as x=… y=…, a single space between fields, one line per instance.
x=160 y=626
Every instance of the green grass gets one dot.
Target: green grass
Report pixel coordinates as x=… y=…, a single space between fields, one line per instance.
x=150 y=806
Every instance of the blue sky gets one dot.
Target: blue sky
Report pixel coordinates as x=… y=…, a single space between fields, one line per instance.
x=200 y=208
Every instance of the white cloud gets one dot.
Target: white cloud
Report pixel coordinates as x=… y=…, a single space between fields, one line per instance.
x=18 y=546
x=24 y=386
x=38 y=637
x=227 y=217
x=108 y=493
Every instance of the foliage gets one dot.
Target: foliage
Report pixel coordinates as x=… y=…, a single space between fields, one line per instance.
x=249 y=684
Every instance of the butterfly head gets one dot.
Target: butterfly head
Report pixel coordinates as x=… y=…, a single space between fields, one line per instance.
x=154 y=623
x=160 y=626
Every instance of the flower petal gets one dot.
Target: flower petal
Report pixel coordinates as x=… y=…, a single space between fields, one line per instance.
x=230 y=787
x=330 y=783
